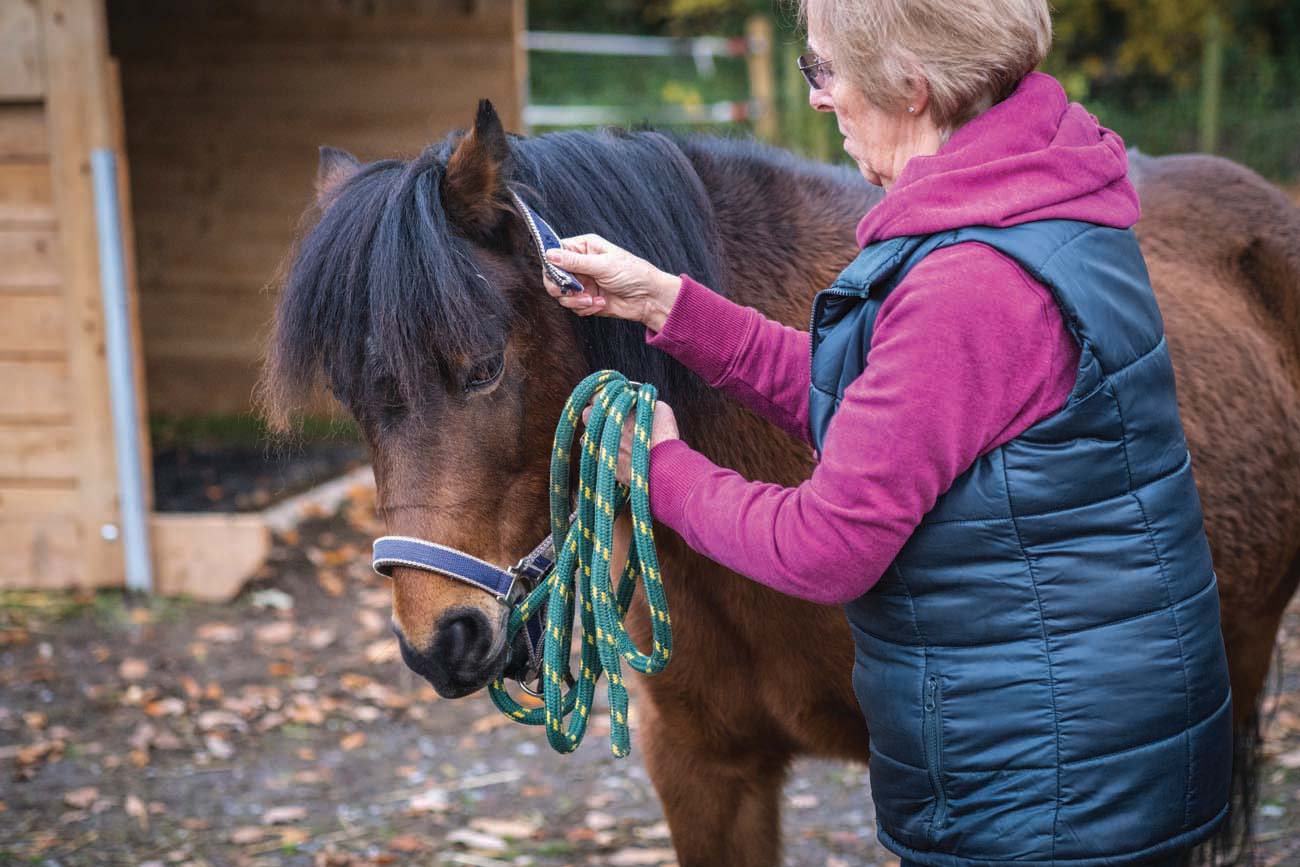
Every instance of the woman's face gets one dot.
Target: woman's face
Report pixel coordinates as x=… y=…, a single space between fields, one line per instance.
x=881 y=141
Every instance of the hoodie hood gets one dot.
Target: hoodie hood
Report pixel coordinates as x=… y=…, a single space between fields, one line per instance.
x=1033 y=156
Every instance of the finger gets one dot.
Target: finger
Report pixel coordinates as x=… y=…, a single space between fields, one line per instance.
x=581 y=303
x=595 y=308
x=588 y=243
x=551 y=288
x=577 y=263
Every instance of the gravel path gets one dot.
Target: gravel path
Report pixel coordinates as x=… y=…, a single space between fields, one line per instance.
x=282 y=729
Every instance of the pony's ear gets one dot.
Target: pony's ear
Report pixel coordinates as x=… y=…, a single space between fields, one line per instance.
x=474 y=190
x=336 y=166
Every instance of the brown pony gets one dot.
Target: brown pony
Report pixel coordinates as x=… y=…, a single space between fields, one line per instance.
x=417 y=300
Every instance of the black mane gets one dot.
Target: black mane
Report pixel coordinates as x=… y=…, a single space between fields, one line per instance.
x=384 y=277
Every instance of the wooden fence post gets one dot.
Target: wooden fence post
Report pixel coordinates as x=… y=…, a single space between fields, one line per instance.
x=1211 y=83
x=762 y=84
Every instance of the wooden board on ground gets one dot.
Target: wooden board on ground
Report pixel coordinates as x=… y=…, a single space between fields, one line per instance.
x=207 y=556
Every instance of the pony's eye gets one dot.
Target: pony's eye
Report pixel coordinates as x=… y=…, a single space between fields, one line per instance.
x=389 y=401
x=485 y=373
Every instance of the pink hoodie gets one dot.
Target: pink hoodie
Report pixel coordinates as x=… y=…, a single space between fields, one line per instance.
x=968 y=351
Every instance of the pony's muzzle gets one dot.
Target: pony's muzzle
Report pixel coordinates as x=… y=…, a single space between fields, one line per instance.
x=465 y=654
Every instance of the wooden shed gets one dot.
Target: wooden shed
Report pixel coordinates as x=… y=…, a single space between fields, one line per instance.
x=215 y=109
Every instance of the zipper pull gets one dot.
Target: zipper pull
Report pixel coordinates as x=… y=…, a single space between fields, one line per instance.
x=931 y=683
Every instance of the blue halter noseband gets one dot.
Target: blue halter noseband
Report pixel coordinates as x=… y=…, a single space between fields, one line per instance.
x=504 y=584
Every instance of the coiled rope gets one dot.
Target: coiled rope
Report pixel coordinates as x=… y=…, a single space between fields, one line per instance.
x=581 y=571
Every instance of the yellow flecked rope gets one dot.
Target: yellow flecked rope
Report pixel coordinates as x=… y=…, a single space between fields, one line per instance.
x=581 y=571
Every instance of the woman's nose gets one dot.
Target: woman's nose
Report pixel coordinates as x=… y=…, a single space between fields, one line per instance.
x=820 y=99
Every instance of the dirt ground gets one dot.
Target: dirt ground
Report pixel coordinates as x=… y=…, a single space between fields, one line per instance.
x=284 y=729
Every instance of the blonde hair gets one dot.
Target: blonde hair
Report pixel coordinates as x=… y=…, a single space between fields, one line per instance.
x=971 y=53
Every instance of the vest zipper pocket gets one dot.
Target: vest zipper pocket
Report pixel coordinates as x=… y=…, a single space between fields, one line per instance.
x=933 y=737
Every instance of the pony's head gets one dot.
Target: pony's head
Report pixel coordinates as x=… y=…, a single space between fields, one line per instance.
x=416 y=297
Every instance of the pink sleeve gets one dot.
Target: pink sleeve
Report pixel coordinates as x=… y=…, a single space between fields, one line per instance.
x=967 y=352
x=758 y=361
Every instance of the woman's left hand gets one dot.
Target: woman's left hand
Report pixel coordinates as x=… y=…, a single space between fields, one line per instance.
x=664 y=427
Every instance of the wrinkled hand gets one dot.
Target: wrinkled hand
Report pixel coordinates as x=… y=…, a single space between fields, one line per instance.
x=615 y=282
x=663 y=427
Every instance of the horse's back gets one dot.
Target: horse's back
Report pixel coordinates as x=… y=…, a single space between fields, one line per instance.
x=1223 y=248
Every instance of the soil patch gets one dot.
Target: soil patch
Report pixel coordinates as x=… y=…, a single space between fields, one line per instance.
x=283 y=729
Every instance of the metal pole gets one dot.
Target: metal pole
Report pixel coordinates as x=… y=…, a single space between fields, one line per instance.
x=117 y=343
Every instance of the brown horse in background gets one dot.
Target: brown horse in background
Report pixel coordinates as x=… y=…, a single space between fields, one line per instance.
x=417 y=300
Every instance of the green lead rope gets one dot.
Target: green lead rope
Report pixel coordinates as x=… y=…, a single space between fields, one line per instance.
x=581 y=572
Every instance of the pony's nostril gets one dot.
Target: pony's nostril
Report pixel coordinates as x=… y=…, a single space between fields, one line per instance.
x=463 y=641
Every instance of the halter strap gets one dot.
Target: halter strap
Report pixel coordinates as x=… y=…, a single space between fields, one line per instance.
x=393 y=551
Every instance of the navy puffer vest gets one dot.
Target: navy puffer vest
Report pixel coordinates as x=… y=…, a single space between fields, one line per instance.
x=1041 y=668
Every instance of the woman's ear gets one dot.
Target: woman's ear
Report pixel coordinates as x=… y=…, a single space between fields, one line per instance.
x=918 y=97
x=474 y=191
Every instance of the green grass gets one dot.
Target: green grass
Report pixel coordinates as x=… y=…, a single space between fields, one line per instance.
x=244 y=429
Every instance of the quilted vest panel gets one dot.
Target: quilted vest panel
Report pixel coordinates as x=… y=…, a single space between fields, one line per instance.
x=1041 y=668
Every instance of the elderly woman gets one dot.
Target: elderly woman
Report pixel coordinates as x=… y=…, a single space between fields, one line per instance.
x=1039 y=658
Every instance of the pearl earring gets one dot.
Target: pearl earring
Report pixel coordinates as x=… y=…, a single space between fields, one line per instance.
x=911 y=109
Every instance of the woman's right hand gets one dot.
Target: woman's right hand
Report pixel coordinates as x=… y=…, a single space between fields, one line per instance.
x=615 y=282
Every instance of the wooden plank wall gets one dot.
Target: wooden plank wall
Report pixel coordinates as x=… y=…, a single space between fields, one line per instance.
x=227 y=102
x=57 y=484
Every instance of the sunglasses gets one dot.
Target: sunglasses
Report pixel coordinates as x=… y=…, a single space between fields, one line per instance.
x=816 y=71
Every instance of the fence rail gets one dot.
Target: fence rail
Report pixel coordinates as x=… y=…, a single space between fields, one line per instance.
x=755 y=46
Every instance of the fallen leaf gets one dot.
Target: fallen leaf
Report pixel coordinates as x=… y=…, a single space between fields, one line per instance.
x=133 y=669
x=278 y=632
x=169 y=706
x=372 y=622
x=272 y=598
x=221 y=633
x=305 y=711
x=510 y=829
x=191 y=687
x=379 y=597
x=284 y=815
x=383 y=650
x=331 y=582
x=218 y=746
x=143 y=736
x=292 y=836
x=365 y=713
x=491 y=722
x=272 y=720
x=477 y=841
x=408 y=843
x=657 y=831
x=215 y=719
x=81 y=798
x=353 y=741
x=321 y=637
x=136 y=810
x=637 y=857
x=246 y=834
x=430 y=801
